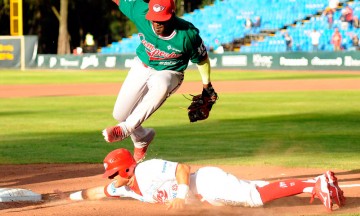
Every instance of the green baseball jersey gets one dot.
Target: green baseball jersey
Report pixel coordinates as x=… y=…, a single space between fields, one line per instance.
x=164 y=53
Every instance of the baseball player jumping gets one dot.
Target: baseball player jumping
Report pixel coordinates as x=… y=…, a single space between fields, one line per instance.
x=166 y=182
x=167 y=45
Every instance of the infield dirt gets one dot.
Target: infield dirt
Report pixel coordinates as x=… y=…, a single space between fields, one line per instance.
x=56 y=181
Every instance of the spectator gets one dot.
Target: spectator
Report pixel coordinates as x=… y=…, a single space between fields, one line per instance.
x=218 y=48
x=347 y=16
x=89 y=46
x=356 y=22
x=248 y=23
x=336 y=40
x=343 y=24
x=354 y=40
x=329 y=13
x=315 y=38
x=78 y=51
x=257 y=22
x=288 y=41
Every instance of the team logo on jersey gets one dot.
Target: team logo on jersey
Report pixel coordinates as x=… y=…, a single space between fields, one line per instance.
x=161 y=196
x=155 y=53
x=173 y=48
x=158 y=8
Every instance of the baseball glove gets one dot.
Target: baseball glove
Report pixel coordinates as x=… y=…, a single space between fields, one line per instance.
x=201 y=104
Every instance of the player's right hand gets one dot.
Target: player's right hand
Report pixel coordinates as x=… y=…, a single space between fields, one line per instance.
x=177 y=203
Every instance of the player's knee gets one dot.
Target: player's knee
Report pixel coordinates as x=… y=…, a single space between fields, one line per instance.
x=118 y=116
x=161 y=89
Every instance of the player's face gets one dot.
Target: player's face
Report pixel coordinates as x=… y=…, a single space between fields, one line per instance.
x=120 y=181
x=162 y=28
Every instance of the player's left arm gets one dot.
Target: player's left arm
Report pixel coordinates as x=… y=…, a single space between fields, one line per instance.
x=100 y=192
x=94 y=193
x=205 y=70
x=200 y=56
x=183 y=180
x=201 y=104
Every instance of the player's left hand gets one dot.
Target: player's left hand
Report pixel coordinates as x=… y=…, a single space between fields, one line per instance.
x=201 y=104
x=177 y=203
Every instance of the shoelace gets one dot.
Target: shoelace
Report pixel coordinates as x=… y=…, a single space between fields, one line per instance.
x=117 y=131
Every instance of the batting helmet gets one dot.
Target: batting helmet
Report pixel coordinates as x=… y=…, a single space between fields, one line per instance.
x=121 y=161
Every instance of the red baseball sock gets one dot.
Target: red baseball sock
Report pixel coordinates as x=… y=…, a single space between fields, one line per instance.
x=283 y=188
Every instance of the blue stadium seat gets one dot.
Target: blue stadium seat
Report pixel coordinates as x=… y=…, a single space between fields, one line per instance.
x=225 y=20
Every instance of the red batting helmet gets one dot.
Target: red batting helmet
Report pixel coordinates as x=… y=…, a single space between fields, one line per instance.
x=121 y=161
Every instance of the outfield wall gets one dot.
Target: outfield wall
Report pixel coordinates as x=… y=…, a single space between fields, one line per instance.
x=18 y=51
x=21 y=52
x=254 y=61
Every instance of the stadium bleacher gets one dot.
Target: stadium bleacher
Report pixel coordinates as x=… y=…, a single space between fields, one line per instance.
x=225 y=21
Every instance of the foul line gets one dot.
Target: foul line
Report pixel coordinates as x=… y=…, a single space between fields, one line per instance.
x=350 y=185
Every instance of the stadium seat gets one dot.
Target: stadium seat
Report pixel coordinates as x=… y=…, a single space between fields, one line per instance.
x=225 y=21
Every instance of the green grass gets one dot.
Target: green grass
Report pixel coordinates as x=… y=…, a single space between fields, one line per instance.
x=11 y=77
x=294 y=129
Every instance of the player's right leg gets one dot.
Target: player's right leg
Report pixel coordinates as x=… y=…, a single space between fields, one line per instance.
x=131 y=93
x=161 y=84
x=321 y=190
x=328 y=190
x=217 y=187
x=335 y=191
x=325 y=187
x=284 y=188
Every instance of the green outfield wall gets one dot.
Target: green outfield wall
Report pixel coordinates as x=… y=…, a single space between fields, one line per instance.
x=257 y=61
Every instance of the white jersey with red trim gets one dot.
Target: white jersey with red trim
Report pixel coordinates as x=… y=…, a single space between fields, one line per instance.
x=155 y=180
x=156 y=183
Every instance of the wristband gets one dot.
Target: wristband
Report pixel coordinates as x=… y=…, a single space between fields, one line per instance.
x=76 y=196
x=182 y=191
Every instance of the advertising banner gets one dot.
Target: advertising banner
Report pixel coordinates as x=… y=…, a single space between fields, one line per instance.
x=290 y=61
x=18 y=51
x=249 y=61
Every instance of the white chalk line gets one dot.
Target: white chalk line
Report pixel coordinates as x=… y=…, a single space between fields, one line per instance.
x=349 y=185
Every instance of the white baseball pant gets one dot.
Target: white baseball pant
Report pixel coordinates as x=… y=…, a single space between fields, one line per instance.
x=142 y=93
x=215 y=186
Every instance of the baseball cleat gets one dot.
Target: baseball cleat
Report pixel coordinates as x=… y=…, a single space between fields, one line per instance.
x=336 y=193
x=140 y=153
x=321 y=190
x=115 y=134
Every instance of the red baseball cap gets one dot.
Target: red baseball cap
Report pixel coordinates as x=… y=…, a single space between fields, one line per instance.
x=160 y=10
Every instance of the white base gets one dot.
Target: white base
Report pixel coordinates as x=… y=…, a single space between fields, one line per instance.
x=17 y=194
